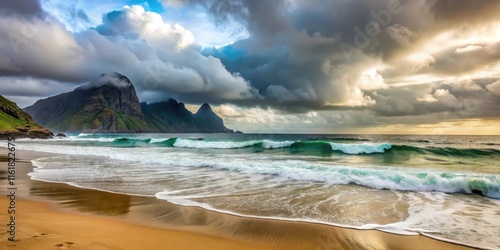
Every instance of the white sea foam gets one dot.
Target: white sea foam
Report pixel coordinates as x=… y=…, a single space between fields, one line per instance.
x=423 y=220
x=347 y=148
x=375 y=177
x=188 y=143
x=187 y=202
x=276 y=144
x=157 y=140
x=83 y=139
x=360 y=148
x=468 y=219
x=68 y=139
x=84 y=134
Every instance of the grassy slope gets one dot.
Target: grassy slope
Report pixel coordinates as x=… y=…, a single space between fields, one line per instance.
x=8 y=122
x=86 y=119
x=128 y=122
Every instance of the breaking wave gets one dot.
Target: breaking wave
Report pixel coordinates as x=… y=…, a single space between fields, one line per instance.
x=307 y=146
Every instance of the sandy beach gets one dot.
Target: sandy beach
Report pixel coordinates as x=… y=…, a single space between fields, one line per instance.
x=59 y=216
x=250 y=124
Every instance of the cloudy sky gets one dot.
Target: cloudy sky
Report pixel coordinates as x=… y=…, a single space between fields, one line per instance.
x=282 y=66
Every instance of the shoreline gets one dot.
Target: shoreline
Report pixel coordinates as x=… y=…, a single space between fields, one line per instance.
x=148 y=212
x=278 y=219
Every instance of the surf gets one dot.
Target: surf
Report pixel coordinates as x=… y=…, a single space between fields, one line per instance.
x=322 y=147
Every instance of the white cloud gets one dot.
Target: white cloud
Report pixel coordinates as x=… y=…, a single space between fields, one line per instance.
x=494 y=87
x=32 y=87
x=401 y=34
x=424 y=69
x=27 y=90
x=281 y=94
x=444 y=96
x=175 y=3
x=429 y=98
x=25 y=45
x=272 y=121
x=464 y=85
x=371 y=79
x=468 y=48
x=148 y=25
x=160 y=59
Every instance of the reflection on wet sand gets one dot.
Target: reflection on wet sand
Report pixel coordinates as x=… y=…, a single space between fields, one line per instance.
x=86 y=200
x=3 y=173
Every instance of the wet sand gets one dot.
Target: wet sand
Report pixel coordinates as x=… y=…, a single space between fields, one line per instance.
x=59 y=216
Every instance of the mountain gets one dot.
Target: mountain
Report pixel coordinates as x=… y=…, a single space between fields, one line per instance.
x=110 y=104
x=14 y=122
x=207 y=120
x=172 y=116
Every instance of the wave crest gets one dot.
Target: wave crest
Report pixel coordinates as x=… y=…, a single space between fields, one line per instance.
x=309 y=146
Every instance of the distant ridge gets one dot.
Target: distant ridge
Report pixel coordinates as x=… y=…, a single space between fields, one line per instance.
x=172 y=116
x=109 y=104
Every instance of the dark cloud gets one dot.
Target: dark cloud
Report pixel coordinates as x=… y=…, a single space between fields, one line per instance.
x=462 y=99
x=263 y=18
x=464 y=12
x=26 y=8
x=457 y=61
x=27 y=90
x=301 y=64
x=295 y=58
x=32 y=87
x=162 y=63
x=373 y=61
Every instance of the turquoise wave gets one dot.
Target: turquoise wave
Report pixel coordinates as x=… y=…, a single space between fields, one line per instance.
x=314 y=147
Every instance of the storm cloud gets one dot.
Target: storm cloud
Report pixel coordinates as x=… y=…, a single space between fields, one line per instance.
x=20 y=7
x=331 y=54
x=161 y=59
x=351 y=63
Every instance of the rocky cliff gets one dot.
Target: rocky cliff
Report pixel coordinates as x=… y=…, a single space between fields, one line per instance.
x=14 y=122
x=108 y=104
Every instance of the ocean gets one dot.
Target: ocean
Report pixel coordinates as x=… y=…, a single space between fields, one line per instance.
x=445 y=187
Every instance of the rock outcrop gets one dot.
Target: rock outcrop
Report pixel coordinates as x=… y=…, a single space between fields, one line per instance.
x=108 y=104
x=208 y=121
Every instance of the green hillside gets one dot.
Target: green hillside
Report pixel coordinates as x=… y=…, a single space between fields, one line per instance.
x=14 y=122
x=12 y=117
